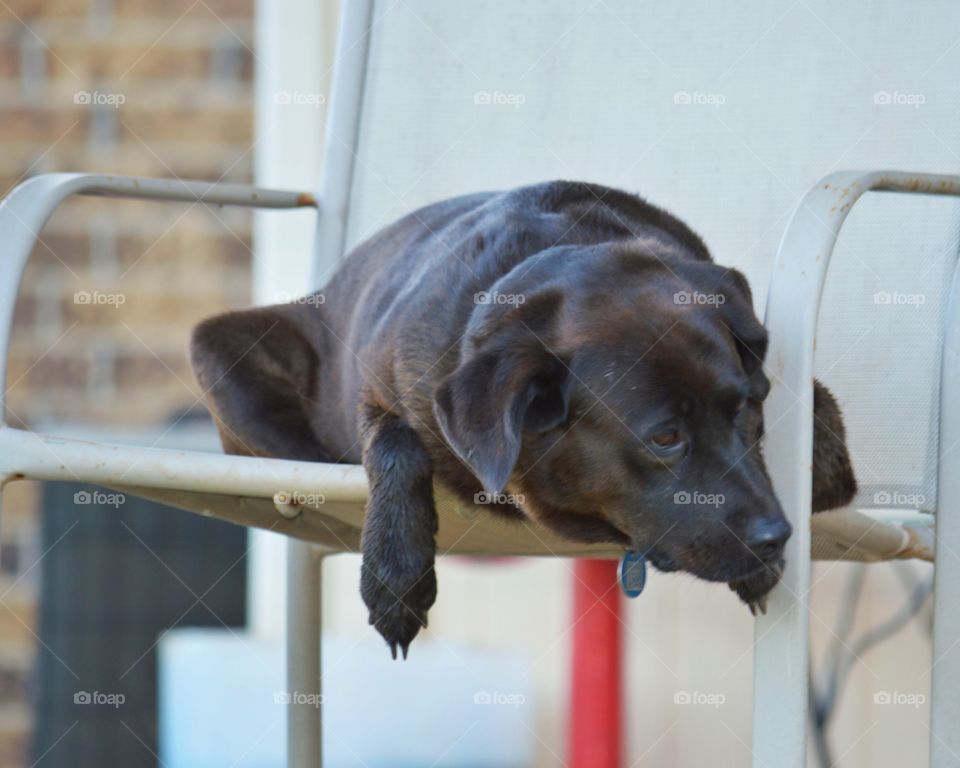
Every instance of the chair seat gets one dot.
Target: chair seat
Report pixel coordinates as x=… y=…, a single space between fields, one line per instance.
x=320 y=503
x=324 y=503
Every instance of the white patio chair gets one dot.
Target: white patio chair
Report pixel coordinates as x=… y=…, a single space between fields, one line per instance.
x=370 y=118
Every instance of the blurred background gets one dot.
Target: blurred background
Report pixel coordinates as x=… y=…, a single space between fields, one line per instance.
x=132 y=634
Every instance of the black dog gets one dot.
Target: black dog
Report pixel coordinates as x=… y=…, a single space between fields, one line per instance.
x=566 y=342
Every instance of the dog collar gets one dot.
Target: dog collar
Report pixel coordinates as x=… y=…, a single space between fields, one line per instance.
x=632 y=574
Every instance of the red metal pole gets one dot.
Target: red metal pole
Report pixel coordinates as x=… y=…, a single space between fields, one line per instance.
x=596 y=717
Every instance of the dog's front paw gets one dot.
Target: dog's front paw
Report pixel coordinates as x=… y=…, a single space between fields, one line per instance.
x=398 y=599
x=754 y=590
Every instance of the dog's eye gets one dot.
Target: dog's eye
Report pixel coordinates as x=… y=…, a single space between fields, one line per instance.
x=666 y=439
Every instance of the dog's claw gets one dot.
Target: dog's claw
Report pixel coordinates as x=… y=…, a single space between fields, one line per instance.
x=762 y=605
x=404 y=647
x=398 y=612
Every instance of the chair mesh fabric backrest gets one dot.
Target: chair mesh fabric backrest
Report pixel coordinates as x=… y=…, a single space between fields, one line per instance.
x=879 y=342
x=725 y=116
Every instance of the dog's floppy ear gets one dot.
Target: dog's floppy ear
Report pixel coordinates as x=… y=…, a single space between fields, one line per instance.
x=748 y=334
x=487 y=403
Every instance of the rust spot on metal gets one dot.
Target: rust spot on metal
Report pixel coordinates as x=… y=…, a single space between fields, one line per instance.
x=916 y=547
x=921 y=184
x=305 y=199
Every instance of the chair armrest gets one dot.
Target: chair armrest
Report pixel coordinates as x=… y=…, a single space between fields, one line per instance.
x=780 y=695
x=27 y=208
x=793 y=303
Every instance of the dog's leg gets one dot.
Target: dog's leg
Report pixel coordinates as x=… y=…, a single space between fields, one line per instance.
x=397 y=582
x=258 y=370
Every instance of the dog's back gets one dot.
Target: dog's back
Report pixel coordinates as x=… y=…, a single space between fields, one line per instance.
x=408 y=291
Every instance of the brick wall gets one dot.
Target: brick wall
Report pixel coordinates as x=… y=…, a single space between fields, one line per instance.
x=151 y=87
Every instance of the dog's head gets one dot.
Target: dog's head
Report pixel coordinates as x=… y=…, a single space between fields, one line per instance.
x=619 y=395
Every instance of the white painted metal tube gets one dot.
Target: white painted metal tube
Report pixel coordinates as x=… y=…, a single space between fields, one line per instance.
x=26 y=209
x=179 y=190
x=342 y=136
x=782 y=641
x=304 y=688
x=945 y=665
x=41 y=457
x=341 y=141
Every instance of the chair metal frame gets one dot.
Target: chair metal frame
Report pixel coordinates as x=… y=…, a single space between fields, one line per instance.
x=781 y=649
x=781 y=642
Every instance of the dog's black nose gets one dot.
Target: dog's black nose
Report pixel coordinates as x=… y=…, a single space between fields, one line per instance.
x=766 y=538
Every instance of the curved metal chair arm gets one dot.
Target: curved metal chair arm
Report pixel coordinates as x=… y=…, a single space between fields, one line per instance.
x=781 y=648
x=27 y=208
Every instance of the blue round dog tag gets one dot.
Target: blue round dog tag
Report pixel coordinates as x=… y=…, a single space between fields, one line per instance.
x=633 y=574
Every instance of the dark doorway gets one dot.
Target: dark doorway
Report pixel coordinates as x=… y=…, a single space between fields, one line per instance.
x=119 y=572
